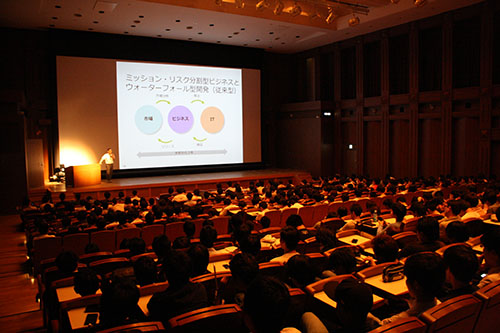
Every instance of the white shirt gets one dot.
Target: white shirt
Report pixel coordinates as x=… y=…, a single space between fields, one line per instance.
x=107 y=158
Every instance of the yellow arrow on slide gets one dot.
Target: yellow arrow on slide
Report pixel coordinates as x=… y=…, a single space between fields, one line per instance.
x=165 y=141
x=162 y=100
x=199 y=140
x=198 y=100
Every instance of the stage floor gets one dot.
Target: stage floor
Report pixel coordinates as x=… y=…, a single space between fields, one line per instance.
x=153 y=185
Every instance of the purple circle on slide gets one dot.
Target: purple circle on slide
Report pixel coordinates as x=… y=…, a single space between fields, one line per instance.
x=180 y=119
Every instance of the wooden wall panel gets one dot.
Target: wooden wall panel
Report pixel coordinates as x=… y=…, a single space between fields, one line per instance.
x=465 y=143
x=399 y=148
x=371 y=148
x=349 y=157
x=429 y=152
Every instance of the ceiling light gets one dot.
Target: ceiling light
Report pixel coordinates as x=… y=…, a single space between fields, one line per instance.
x=331 y=16
x=279 y=7
x=354 y=20
x=296 y=10
x=239 y=4
x=420 y=3
x=261 y=5
x=394 y=1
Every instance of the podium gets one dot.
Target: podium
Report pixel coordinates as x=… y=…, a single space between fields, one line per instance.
x=83 y=175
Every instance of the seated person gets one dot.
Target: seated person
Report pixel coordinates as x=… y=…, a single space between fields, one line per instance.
x=399 y=212
x=208 y=236
x=461 y=267
x=491 y=254
x=356 y=212
x=452 y=212
x=341 y=261
x=266 y=303
x=199 y=257
x=86 y=282
x=181 y=242
x=428 y=238
x=425 y=274
x=145 y=271
x=326 y=238
x=456 y=232
x=251 y=245
x=136 y=246
x=119 y=304
x=189 y=229
x=385 y=249
x=244 y=269
x=295 y=221
x=289 y=238
x=182 y=295
x=300 y=271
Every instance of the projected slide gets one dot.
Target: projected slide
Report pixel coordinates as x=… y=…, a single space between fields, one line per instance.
x=173 y=115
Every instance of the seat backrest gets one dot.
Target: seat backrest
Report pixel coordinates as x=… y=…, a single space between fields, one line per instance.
x=105 y=239
x=333 y=223
x=458 y=314
x=149 y=232
x=475 y=227
x=126 y=233
x=285 y=213
x=441 y=250
x=319 y=213
x=76 y=243
x=149 y=326
x=220 y=257
x=174 y=230
x=346 y=233
x=318 y=286
x=45 y=248
x=212 y=319
x=406 y=325
x=273 y=269
x=102 y=267
x=373 y=270
x=306 y=213
x=490 y=295
x=212 y=284
x=404 y=238
x=151 y=255
x=221 y=224
x=150 y=289
x=88 y=258
x=275 y=218
x=410 y=224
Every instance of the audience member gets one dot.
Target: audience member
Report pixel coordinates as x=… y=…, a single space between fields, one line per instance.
x=428 y=237
x=86 y=282
x=289 y=238
x=145 y=271
x=461 y=267
x=491 y=254
x=199 y=257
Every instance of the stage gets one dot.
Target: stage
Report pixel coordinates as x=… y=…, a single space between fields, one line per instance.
x=154 y=186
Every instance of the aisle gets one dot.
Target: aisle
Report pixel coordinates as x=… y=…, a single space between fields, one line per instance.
x=19 y=311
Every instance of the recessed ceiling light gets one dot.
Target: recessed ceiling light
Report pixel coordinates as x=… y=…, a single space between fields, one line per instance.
x=91 y=29
x=229 y=36
x=189 y=27
x=54 y=17
x=95 y=22
x=297 y=36
x=245 y=44
x=218 y=42
x=190 y=38
x=277 y=38
x=200 y=33
x=242 y=29
x=57 y=6
x=137 y=21
x=125 y=32
x=51 y=25
x=158 y=35
x=168 y=29
x=177 y=21
x=282 y=43
x=101 y=12
x=132 y=26
x=235 y=33
x=141 y=16
x=77 y=15
x=257 y=40
x=270 y=32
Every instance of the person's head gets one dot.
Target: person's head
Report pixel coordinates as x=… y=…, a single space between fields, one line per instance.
x=425 y=275
x=244 y=267
x=199 y=258
x=178 y=267
x=342 y=261
x=250 y=244
x=119 y=302
x=67 y=262
x=461 y=263
x=341 y=212
x=136 y=246
x=471 y=199
x=86 y=282
x=300 y=270
x=354 y=300
x=399 y=210
x=266 y=304
x=456 y=232
x=491 y=243
x=189 y=229
x=356 y=210
x=265 y=222
x=289 y=238
x=456 y=207
x=327 y=238
x=109 y=151
x=181 y=242
x=294 y=220
x=161 y=246
x=428 y=229
x=145 y=271
x=208 y=236
x=385 y=248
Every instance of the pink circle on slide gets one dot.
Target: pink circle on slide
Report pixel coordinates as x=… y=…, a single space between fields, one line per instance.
x=180 y=119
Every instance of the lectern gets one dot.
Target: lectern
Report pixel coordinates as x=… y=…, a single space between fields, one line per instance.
x=83 y=175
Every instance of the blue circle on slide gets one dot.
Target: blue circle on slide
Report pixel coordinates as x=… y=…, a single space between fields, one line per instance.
x=148 y=119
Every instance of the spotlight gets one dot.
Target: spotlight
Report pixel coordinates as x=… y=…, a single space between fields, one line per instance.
x=354 y=20
x=296 y=10
x=331 y=16
x=394 y=1
x=279 y=7
x=261 y=5
x=239 y=4
x=420 y=3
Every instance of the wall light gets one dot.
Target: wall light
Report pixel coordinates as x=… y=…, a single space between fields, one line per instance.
x=296 y=10
x=239 y=4
x=331 y=16
x=261 y=5
x=279 y=7
x=420 y=3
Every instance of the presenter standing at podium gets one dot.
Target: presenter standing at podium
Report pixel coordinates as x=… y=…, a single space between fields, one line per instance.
x=109 y=159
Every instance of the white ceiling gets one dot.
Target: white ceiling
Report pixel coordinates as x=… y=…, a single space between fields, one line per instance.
x=219 y=24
